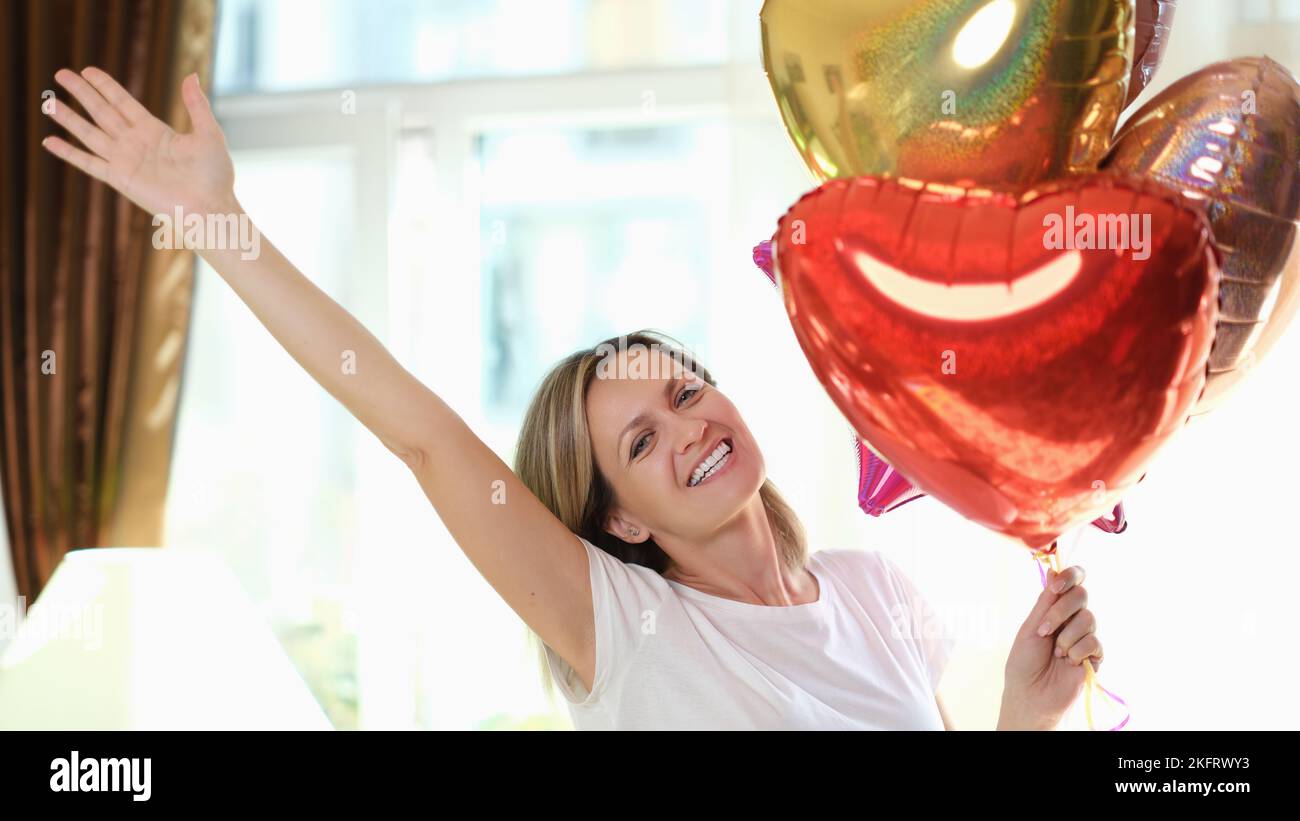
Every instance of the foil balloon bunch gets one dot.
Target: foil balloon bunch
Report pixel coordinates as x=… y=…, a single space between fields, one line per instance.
x=1013 y=305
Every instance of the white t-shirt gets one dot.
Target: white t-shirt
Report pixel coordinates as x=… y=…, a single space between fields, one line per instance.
x=867 y=655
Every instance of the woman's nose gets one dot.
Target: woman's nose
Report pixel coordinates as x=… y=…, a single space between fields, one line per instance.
x=694 y=432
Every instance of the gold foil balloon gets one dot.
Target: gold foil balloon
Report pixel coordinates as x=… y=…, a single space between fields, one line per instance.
x=1151 y=35
x=971 y=92
x=1229 y=136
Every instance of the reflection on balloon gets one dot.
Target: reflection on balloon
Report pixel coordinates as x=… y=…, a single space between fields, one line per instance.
x=971 y=92
x=1229 y=136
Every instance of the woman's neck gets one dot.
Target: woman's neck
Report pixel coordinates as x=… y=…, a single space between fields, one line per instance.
x=742 y=562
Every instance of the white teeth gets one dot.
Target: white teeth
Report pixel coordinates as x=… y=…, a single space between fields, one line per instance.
x=708 y=464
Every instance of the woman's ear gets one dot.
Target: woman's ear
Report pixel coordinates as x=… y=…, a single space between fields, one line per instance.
x=626 y=530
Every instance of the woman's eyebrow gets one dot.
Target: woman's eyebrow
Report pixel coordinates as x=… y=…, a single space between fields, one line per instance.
x=643 y=416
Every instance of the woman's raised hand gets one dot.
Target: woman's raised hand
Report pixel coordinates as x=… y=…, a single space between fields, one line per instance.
x=139 y=155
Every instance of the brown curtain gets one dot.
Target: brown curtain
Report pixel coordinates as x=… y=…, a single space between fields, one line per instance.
x=93 y=319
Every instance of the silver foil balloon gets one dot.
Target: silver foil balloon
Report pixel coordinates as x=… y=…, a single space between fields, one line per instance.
x=1229 y=136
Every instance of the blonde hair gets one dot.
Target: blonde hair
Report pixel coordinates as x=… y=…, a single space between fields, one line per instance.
x=554 y=458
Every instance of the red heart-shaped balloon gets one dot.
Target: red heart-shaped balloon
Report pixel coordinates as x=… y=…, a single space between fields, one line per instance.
x=1011 y=363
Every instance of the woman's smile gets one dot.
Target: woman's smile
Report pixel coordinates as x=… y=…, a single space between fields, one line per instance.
x=721 y=466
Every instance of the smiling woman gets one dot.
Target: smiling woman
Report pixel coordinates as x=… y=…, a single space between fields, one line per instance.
x=693 y=581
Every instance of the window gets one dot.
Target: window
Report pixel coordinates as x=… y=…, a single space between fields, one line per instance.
x=605 y=235
x=265 y=463
x=281 y=45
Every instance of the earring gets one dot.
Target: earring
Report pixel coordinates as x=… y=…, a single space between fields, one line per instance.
x=635 y=532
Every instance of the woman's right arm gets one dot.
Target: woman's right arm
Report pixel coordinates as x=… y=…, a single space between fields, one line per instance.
x=528 y=556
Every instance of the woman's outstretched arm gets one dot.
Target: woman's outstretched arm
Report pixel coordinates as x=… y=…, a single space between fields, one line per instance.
x=528 y=556
x=160 y=170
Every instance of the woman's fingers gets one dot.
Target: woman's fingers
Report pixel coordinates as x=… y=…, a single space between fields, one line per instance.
x=89 y=163
x=119 y=97
x=90 y=136
x=1067 y=578
x=1088 y=646
x=196 y=103
x=1069 y=603
x=105 y=115
x=1080 y=624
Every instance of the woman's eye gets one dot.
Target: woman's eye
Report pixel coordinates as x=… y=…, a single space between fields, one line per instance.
x=636 y=446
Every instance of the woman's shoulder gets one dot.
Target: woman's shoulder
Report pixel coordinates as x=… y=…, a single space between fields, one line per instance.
x=866 y=571
x=850 y=559
x=608 y=569
x=860 y=559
